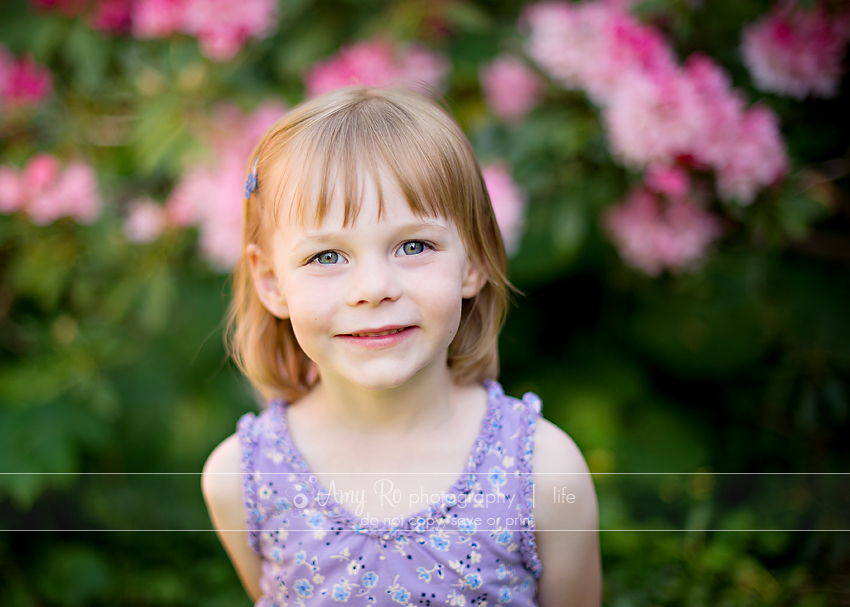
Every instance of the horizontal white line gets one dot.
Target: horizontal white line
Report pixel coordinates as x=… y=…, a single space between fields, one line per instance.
x=365 y=532
x=463 y=473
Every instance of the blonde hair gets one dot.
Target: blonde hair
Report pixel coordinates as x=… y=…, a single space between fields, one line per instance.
x=337 y=136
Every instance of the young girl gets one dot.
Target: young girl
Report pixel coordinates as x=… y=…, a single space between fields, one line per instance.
x=389 y=467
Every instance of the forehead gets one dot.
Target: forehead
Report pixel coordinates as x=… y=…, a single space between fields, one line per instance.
x=317 y=193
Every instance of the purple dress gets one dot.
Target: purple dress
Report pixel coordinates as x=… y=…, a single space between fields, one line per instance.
x=474 y=547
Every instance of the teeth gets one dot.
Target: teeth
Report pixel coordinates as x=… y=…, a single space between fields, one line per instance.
x=376 y=334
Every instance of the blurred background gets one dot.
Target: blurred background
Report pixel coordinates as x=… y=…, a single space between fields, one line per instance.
x=672 y=178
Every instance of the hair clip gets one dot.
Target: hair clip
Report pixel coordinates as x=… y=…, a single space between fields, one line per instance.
x=251 y=182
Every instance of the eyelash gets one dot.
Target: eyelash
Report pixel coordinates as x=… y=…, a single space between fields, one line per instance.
x=426 y=246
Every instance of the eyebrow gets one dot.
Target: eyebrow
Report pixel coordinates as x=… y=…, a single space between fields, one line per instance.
x=320 y=237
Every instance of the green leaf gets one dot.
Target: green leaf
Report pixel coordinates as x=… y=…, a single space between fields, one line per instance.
x=797 y=213
x=157 y=300
x=88 y=53
x=43 y=268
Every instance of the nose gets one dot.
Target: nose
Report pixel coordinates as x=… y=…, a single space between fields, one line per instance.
x=374 y=281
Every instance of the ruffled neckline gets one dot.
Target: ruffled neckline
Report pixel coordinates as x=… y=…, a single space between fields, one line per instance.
x=416 y=521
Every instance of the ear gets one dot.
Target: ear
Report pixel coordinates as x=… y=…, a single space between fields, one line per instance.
x=473 y=280
x=266 y=283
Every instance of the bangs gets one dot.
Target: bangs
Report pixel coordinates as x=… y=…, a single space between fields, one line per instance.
x=331 y=156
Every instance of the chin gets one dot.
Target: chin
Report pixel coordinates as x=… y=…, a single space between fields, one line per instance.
x=381 y=381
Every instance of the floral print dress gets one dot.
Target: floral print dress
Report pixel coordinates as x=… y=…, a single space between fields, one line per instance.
x=475 y=546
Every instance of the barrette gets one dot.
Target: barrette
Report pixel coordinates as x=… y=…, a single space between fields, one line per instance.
x=251 y=182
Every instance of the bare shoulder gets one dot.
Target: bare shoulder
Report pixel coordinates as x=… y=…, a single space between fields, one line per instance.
x=221 y=471
x=555 y=451
x=561 y=479
x=566 y=517
x=221 y=484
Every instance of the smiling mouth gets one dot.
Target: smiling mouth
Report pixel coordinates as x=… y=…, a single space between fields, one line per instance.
x=378 y=333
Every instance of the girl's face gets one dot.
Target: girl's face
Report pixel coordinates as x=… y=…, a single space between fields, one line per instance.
x=374 y=304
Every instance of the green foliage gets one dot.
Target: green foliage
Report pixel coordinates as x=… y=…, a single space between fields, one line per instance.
x=113 y=373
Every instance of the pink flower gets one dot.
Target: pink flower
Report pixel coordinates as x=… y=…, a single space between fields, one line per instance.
x=145 y=221
x=756 y=159
x=670 y=180
x=720 y=107
x=424 y=69
x=511 y=89
x=157 y=18
x=590 y=45
x=796 y=52
x=221 y=26
x=210 y=195
x=41 y=172
x=22 y=82
x=73 y=194
x=509 y=204
x=653 y=119
x=46 y=192
x=12 y=190
x=112 y=16
x=656 y=112
x=377 y=63
x=655 y=234
x=67 y=7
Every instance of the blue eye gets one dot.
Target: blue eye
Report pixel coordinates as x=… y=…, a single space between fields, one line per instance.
x=327 y=258
x=413 y=247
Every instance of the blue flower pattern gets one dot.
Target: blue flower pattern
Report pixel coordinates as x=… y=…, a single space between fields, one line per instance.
x=303 y=588
x=341 y=593
x=401 y=596
x=440 y=542
x=369 y=579
x=497 y=476
x=472 y=581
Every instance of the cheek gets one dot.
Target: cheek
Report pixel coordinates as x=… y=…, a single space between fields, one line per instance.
x=310 y=303
x=441 y=302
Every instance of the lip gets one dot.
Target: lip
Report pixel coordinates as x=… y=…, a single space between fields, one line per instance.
x=379 y=341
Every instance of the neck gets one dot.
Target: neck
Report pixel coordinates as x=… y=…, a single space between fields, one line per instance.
x=424 y=399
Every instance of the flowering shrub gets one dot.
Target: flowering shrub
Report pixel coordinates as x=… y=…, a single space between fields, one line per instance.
x=45 y=191
x=656 y=111
x=221 y=26
x=680 y=241
x=145 y=221
x=510 y=88
x=378 y=63
x=210 y=194
x=655 y=233
x=22 y=81
x=509 y=204
x=797 y=52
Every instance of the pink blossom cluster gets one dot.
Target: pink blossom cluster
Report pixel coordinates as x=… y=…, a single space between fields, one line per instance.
x=797 y=52
x=656 y=111
x=106 y=15
x=509 y=204
x=511 y=89
x=210 y=195
x=23 y=83
x=46 y=192
x=378 y=62
x=221 y=26
x=146 y=220
x=655 y=233
x=112 y=15
x=66 y=7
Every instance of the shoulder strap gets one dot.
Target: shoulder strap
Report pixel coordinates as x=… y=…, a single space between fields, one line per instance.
x=528 y=421
x=246 y=430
